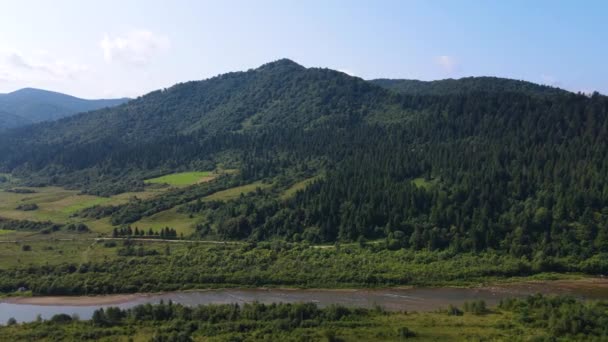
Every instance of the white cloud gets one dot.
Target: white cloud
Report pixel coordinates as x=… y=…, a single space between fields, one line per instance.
x=448 y=64
x=135 y=47
x=38 y=65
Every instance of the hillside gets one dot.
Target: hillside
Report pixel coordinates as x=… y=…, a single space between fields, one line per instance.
x=498 y=165
x=28 y=105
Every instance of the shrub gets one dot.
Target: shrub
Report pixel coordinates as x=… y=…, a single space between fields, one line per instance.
x=405 y=332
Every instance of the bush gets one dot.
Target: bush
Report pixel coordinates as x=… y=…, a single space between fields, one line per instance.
x=477 y=307
x=405 y=332
x=61 y=318
x=454 y=311
x=27 y=207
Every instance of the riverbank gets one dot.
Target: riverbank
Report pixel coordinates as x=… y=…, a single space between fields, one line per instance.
x=584 y=288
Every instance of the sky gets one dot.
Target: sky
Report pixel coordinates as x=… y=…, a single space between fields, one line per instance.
x=104 y=49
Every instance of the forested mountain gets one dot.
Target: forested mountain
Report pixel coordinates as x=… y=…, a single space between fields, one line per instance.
x=492 y=164
x=28 y=105
x=466 y=85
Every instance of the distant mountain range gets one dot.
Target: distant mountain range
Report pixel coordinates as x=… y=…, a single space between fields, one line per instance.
x=29 y=105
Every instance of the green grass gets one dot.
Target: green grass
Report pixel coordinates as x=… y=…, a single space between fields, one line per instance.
x=232 y=193
x=290 y=192
x=49 y=252
x=182 y=223
x=4 y=231
x=424 y=183
x=182 y=179
x=58 y=205
x=83 y=204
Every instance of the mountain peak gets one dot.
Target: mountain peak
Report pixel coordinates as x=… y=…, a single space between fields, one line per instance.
x=281 y=64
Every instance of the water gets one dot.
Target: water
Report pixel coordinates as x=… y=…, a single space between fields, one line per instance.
x=414 y=299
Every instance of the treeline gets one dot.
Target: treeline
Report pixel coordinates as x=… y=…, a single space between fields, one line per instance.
x=45 y=227
x=35 y=226
x=292 y=315
x=163 y=233
x=176 y=322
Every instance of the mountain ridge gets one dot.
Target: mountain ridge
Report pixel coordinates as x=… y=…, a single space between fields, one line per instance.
x=32 y=105
x=467 y=84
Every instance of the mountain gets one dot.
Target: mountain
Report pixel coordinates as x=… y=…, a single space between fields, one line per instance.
x=467 y=85
x=29 y=105
x=458 y=165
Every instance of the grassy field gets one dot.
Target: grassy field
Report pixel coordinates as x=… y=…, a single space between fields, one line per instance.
x=182 y=178
x=59 y=205
x=290 y=192
x=72 y=249
x=424 y=183
x=182 y=223
x=235 y=192
x=51 y=252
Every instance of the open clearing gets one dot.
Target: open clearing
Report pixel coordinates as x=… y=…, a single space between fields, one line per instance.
x=80 y=249
x=182 y=223
x=301 y=185
x=59 y=205
x=232 y=193
x=421 y=182
x=182 y=178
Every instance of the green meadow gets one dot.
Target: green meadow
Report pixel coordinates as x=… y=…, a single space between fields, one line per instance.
x=232 y=193
x=60 y=205
x=301 y=185
x=182 y=178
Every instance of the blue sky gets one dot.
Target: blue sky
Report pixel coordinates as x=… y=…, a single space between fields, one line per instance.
x=127 y=48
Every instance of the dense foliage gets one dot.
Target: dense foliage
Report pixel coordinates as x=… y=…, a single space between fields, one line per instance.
x=149 y=267
x=561 y=316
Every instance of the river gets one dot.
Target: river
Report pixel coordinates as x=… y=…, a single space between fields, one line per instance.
x=26 y=309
